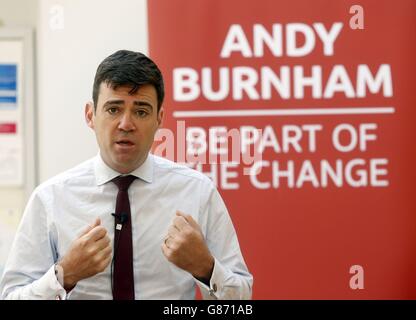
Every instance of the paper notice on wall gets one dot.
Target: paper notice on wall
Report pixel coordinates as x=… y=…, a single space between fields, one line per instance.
x=11 y=144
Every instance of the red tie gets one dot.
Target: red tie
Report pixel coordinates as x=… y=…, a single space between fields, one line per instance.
x=123 y=281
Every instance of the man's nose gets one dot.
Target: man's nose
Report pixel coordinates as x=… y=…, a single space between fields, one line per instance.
x=126 y=122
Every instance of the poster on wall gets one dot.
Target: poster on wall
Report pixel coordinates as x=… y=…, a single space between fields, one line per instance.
x=302 y=114
x=11 y=138
x=11 y=135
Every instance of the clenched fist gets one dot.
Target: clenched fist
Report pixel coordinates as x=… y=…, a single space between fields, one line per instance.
x=185 y=247
x=87 y=256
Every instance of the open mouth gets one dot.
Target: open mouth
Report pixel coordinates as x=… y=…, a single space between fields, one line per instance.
x=125 y=143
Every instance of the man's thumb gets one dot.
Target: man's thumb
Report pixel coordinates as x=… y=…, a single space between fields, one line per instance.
x=96 y=223
x=188 y=218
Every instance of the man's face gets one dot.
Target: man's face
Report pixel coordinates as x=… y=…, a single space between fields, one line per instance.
x=125 y=125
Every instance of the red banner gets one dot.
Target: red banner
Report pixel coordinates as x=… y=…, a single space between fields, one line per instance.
x=302 y=113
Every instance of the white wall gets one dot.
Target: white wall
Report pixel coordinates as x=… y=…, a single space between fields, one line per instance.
x=18 y=13
x=74 y=36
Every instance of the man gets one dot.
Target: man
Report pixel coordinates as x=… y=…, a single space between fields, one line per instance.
x=170 y=228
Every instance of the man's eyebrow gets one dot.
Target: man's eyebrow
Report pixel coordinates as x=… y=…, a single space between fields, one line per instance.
x=143 y=104
x=112 y=102
x=136 y=103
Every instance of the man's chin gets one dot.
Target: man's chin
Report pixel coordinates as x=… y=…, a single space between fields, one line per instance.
x=126 y=164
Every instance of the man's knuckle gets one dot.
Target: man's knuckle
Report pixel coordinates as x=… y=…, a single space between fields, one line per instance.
x=188 y=232
x=83 y=242
x=176 y=246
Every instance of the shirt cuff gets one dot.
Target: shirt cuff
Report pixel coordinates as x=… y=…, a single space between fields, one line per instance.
x=218 y=277
x=49 y=287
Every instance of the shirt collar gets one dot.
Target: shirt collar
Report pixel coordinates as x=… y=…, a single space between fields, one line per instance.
x=104 y=174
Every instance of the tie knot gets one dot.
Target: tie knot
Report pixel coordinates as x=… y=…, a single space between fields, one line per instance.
x=124 y=182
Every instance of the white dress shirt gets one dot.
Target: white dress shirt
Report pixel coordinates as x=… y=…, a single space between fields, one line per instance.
x=62 y=207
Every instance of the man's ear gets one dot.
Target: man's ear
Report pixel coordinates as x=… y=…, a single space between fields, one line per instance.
x=160 y=116
x=89 y=114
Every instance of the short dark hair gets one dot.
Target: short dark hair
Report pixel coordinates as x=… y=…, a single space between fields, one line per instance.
x=128 y=68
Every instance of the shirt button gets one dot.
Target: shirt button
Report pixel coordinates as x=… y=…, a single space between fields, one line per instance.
x=214 y=287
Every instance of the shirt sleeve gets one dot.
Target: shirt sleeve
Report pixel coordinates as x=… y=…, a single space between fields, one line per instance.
x=230 y=278
x=29 y=272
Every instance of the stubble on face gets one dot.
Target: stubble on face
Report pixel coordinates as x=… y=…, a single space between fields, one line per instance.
x=125 y=125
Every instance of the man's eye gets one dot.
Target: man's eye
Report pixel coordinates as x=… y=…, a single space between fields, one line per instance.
x=142 y=113
x=112 y=110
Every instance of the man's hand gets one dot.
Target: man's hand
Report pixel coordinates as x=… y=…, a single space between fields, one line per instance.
x=87 y=256
x=185 y=247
